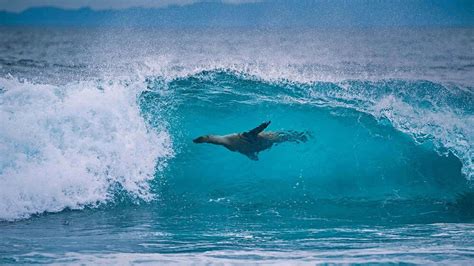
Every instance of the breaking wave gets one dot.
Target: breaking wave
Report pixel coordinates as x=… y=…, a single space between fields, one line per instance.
x=91 y=142
x=73 y=146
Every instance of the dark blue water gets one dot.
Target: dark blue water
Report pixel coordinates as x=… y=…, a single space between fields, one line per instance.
x=97 y=163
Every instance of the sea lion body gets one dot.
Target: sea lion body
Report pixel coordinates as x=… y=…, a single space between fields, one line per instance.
x=240 y=143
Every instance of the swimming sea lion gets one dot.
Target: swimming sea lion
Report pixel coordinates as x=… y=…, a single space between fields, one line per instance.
x=252 y=142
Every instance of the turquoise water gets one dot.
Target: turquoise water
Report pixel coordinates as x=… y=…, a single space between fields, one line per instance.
x=104 y=170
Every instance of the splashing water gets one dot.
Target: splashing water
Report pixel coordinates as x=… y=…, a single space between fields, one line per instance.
x=72 y=146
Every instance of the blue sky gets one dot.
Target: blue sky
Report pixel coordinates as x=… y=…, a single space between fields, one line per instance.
x=20 y=5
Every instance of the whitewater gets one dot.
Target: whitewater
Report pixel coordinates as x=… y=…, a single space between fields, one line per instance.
x=96 y=145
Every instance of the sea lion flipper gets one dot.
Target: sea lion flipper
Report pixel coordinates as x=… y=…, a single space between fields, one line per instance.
x=252 y=156
x=258 y=129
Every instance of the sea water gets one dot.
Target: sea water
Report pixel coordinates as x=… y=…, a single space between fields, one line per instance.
x=97 y=163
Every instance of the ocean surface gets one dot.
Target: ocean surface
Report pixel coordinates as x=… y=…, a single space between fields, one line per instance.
x=97 y=163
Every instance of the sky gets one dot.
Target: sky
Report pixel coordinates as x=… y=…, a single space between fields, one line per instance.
x=20 y=5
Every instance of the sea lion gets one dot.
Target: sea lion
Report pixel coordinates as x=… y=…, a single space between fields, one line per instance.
x=251 y=142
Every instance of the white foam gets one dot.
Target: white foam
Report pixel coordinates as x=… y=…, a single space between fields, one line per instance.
x=70 y=146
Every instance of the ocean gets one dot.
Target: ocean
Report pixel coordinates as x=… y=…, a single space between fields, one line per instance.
x=97 y=163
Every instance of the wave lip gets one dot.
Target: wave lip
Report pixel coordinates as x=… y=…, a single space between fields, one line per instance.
x=73 y=146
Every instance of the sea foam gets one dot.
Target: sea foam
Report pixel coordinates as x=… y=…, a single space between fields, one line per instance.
x=74 y=146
